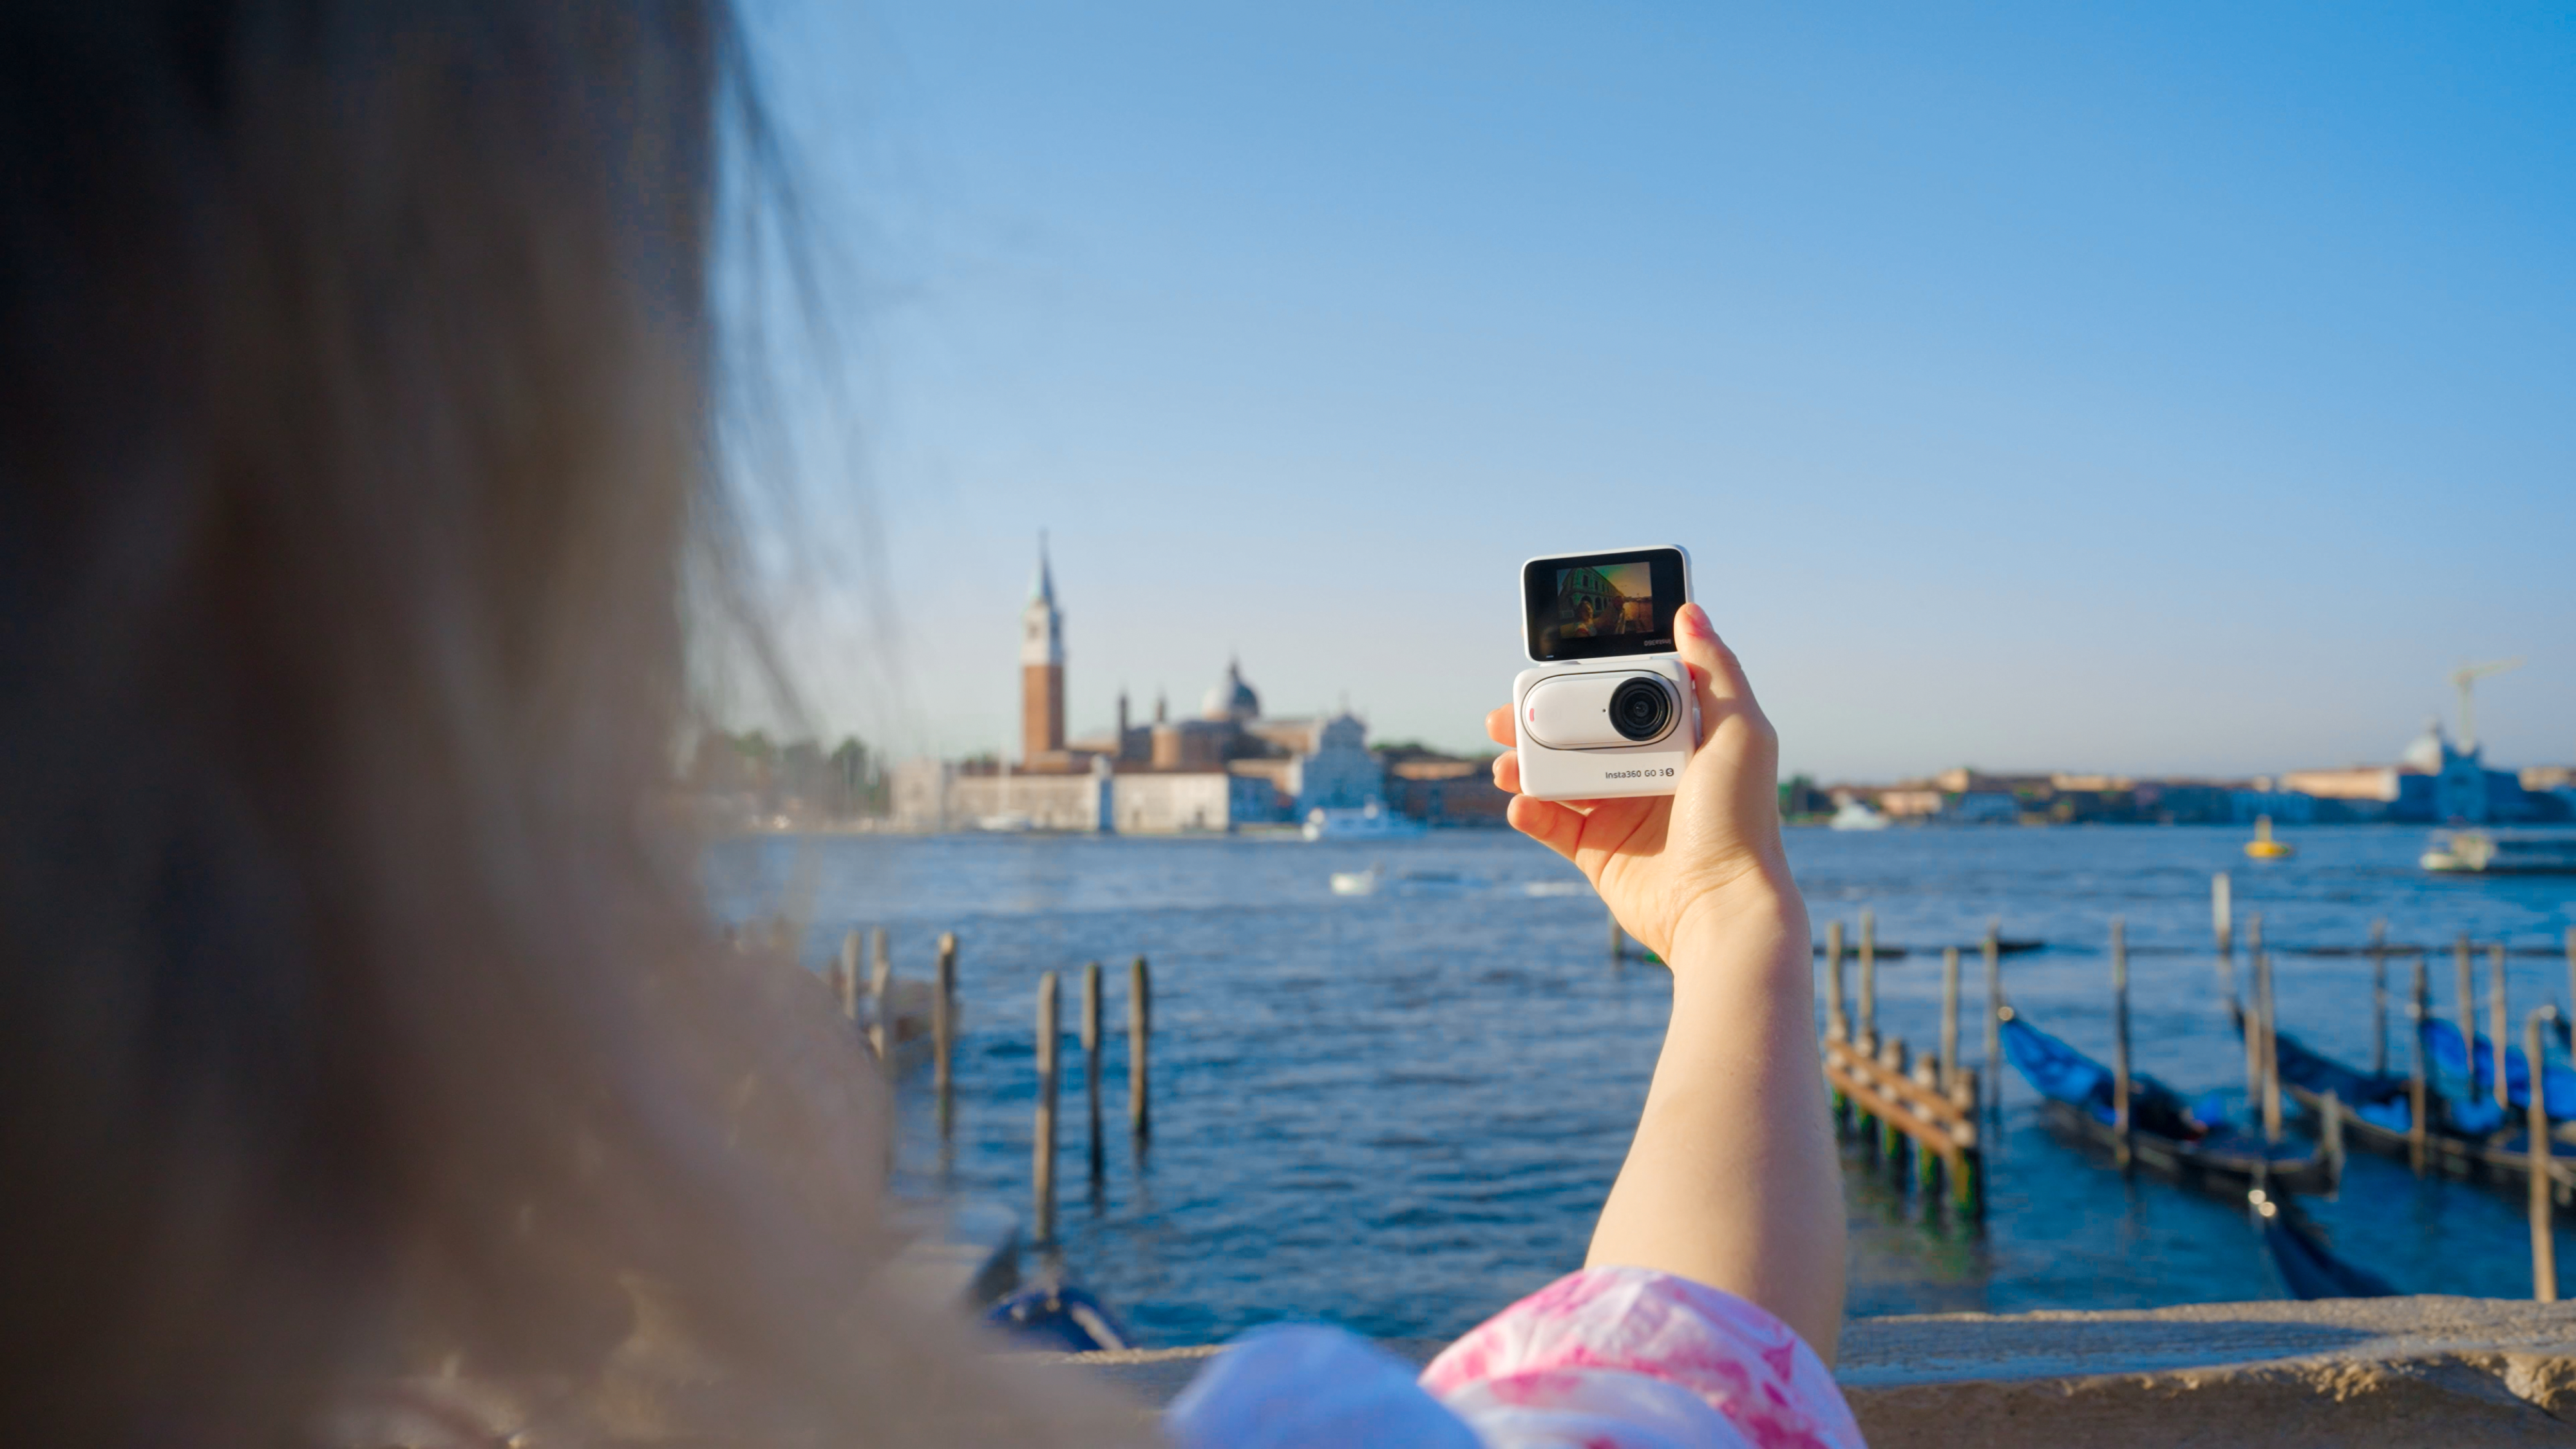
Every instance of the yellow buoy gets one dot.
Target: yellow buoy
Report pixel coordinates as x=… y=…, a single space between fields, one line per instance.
x=2263 y=846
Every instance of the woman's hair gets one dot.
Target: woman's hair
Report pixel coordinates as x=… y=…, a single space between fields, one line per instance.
x=365 y=1058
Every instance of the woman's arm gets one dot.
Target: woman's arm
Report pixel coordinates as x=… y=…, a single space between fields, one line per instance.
x=1732 y=1179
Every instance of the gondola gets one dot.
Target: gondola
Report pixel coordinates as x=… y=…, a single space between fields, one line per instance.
x=2166 y=1135
x=2308 y=1268
x=1059 y=1316
x=2473 y=1138
x=2557 y=1083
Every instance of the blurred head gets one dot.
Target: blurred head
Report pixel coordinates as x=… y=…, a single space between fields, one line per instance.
x=358 y=1017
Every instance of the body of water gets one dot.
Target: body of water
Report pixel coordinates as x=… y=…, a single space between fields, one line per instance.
x=1401 y=1111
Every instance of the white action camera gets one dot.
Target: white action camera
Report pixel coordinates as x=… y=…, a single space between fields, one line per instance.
x=1609 y=710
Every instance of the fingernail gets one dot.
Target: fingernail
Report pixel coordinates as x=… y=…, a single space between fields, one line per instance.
x=1695 y=619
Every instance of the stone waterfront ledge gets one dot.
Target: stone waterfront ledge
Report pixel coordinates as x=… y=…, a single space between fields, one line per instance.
x=2428 y=1371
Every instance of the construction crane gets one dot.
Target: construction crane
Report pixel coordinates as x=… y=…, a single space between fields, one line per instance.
x=2466 y=676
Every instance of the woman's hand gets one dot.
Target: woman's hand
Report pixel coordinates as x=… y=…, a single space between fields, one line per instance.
x=1731 y=1178
x=1675 y=865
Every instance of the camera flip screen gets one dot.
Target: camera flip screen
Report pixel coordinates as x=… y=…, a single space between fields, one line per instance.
x=1597 y=606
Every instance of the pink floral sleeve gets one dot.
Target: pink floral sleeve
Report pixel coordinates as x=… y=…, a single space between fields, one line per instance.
x=1626 y=1358
x=1609 y=1358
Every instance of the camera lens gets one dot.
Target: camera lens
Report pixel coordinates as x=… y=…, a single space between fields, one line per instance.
x=1641 y=708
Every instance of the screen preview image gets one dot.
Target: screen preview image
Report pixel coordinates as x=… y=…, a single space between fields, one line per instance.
x=1594 y=603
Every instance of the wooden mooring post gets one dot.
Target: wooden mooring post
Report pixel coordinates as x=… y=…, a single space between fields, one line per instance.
x=1042 y=1151
x=1890 y=1138
x=1868 y=979
x=2498 y=1022
x=1140 y=1031
x=2544 y=1246
x=1864 y=1036
x=1949 y=1016
x=845 y=975
x=1926 y=1076
x=880 y=968
x=2269 y=1051
x=943 y=1031
x=1091 y=1056
x=2120 y=1038
x=1994 y=1063
x=1837 y=1023
x=2246 y=1011
x=1902 y=1106
x=2418 y=1092
x=2379 y=997
x=1964 y=1164
x=2222 y=926
x=2466 y=970
x=882 y=1024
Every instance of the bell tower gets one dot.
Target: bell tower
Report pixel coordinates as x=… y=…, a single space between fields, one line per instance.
x=1041 y=669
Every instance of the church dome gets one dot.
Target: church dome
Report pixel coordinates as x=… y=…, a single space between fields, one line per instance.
x=1232 y=698
x=2426 y=753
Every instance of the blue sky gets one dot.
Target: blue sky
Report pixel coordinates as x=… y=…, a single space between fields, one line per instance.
x=2156 y=388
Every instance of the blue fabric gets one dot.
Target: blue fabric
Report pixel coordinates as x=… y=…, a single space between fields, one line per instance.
x=2557 y=1083
x=2057 y=1071
x=2476 y=1118
x=2063 y=1074
x=2321 y=1074
x=2396 y=1116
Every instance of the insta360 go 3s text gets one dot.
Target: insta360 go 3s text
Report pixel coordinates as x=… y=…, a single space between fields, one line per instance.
x=1609 y=709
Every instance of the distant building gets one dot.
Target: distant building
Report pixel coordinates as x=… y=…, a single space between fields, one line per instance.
x=2553 y=788
x=1984 y=807
x=2184 y=802
x=1339 y=772
x=1226 y=768
x=2282 y=807
x=1042 y=672
x=2367 y=792
x=2433 y=781
x=1149 y=803
x=1443 y=789
x=1908 y=803
x=917 y=794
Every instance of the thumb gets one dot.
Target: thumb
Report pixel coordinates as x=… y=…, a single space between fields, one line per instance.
x=1738 y=759
x=1714 y=667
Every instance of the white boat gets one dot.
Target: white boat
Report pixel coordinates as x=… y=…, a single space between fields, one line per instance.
x=1372 y=821
x=1855 y=814
x=1375 y=879
x=2502 y=852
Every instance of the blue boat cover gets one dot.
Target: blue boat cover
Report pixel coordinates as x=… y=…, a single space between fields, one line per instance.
x=2377 y=1098
x=2442 y=1048
x=1059 y=1316
x=2063 y=1074
x=2321 y=1074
